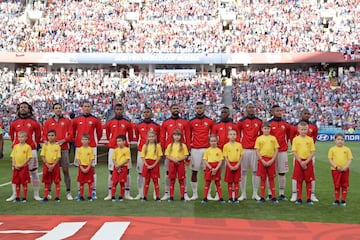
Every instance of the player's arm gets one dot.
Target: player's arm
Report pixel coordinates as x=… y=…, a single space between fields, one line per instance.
x=274 y=156
x=1 y=145
x=99 y=130
x=37 y=130
x=44 y=132
x=219 y=164
x=259 y=157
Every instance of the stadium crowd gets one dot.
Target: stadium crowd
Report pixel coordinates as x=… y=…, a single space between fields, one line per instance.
x=191 y=26
x=292 y=90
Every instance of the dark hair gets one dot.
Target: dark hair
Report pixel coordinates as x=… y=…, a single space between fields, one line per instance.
x=52 y=131
x=199 y=103
x=29 y=106
x=55 y=104
x=85 y=135
x=275 y=106
x=118 y=105
x=122 y=137
x=265 y=124
x=339 y=135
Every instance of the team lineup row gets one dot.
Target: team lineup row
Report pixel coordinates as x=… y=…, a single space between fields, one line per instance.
x=175 y=140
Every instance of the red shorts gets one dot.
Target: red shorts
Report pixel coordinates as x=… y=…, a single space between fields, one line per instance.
x=53 y=176
x=151 y=173
x=208 y=175
x=269 y=171
x=21 y=176
x=84 y=178
x=177 y=170
x=119 y=176
x=232 y=176
x=340 y=179
x=301 y=174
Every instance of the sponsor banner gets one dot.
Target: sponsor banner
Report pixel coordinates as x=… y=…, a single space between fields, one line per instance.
x=329 y=137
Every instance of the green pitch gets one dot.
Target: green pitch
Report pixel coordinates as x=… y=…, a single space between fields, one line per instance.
x=322 y=211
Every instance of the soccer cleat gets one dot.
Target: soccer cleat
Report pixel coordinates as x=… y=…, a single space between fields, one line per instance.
x=120 y=199
x=93 y=195
x=309 y=202
x=261 y=200
x=231 y=200
x=298 y=202
x=221 y=201
x=24 y=200
x=90 y=199
x=80 y=199
x=242 y=197
x=236 y=201
x=171 y=199
x=293 y=197
x=113 y=199
x=256 y=197
x=165 y=197
x=69 y=197
x=343 y=203
x=269 y=197
x=16 y=200
x=183 y=199
x=194 y=197
x=204 y=201
x=314 y=198
x=186 y=197
x=11 y=198
x=45 y=200
x=37 y=198
x=108 y=197
x=144 y=199
x=57 y=200
x=157 y=200
x=138 y=197
x=274 y=201
x=128 y=196
x=77 y=196
x=283 y=198
x=336 y=203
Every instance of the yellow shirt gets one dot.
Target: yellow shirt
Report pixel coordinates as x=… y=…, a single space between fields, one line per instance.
x=151 y=153
x=21 y=153
x=233 y=151
x=120 y=155
x=213 y=155
x=340 y=155
x=303 y=146
x=175 y=151
x=85 y=155
x=51 y=152
x=266 y=145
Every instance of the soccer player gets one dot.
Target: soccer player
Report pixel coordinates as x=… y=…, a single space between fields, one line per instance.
x=249 y=128
x=233 y=153
x=313 y=133
x=166 y=130
x=21 y=155
x=120 y=158
x=91 y=125
x=85 y=157
x=26 y=122
x=266 y=147
x=303 y=148
x=141 y=130
x=200 y=130
x=119 y=125
x=221 y=129
x=340 y=158
x=51 y=154
x=280 y=129
x=64 y=135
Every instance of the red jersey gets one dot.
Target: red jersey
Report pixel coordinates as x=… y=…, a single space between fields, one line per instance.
x=142 y=129
x=312 y=132
x=63 y=128
x=87 y=124
x=249 y=129
x=281 y=130
x=167 y=128
x=118 y=126
x=200 y=130
x=29 y=125
x=222 y=128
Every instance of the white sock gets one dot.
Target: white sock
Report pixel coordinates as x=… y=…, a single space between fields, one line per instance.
x=194 y=186
x=282 y=182
x=255 y=182
x=243 y=182
x=13 y=187
x=140 y=184
x=35 y=182
x=313 y=187
x=293 y=184
x=268 y=187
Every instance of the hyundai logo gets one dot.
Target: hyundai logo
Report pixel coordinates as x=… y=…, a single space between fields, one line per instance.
x=323 y=137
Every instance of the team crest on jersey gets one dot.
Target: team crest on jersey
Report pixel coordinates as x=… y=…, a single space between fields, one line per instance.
x=62 y=123
x=247 y=125
x=221 y=129
x=28 y=125
x=206 y=124
x=229 y=128
x=81 y=122
x=142 y=129
x=122 y=126
x=310 y=130
x=151 y=129
x=90 y=122
x=283 y=127
x=196 y=125
x=256 y=125
x=171 y=125
x=180 y=125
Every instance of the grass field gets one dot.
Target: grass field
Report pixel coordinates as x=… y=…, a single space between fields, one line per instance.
x=322 y=211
